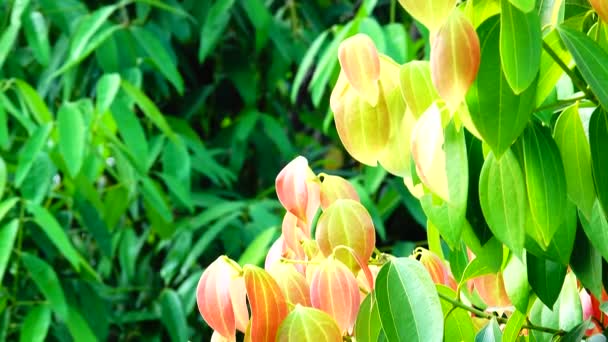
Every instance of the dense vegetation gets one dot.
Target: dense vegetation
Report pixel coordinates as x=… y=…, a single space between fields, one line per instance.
x=140 y=139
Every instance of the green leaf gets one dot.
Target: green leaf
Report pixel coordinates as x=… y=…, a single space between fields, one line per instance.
x=399 y=45
x=87 y=27
x=520 y=44
x=545 y=182
x=179 y=189
x=257 y=249
x=47 y=282
x=596 y=229
x=550 y=72
x=154 y=196
x=577 y=333
x=546 y=278
x=513 y=327
x=214 y=25
x=403 y=287
x=159 y=55
x=489 y=333
x=305 y=65
x=30 y=151
x=36 y=324
x=36 y=33
x=149 y=108
x=598 y=139
x=107 y=88
x=498 y=113
x=515 y=275
x=91 y=219
x=132 y=133
x=78 y=327
x=458 y=325
x=591 y=60
x=173 y=317
x=8 y=234
x=2 y=176
x=572 y=142
x=367 y=326
x=34 y=102
x=49 y=225
x=7 y=40
x=502 y=195
x=570 y=308
x=72 y=130
x=524 y=5
x=586 y=262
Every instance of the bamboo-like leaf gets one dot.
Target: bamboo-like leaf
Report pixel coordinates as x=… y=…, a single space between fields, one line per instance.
x=72 y=130
x=36 y=324
x=570 y=137
x=591 y=60
x=34 y=102
x=520 y=44
x=545 y=182
x=8 y=235
x=268 y=305
x=107 y=88
x=36 y=33
x=403 y=286
x=308 y=325
x=78 y=326
x=499 y=115
x=598 y=137
x=305 y=65
x=159 y=55
x=455 y=58
x=502 y=195
x=30 y=151
x=87 y=27
x=49 y=225
x=47 y=282
x=214 y=25
x=173 y=315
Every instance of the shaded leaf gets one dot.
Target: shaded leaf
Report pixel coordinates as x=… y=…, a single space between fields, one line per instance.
x=8 y=235
x=173 y=317
x=30 y=151
x=47 y=282
x=72 y=135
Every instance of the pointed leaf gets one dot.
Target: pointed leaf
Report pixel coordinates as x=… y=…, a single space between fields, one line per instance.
x=598 y=137
x=546 y=278
x=78 y=326
x=213 y=26
x=520 y=45
x=85 y=30
x=367 y=326
x=515 y=277
x=596 y=229
x=455 y=57
x=545 y=182
x=591 y=60
x=513 y=327
x=499 y=115
x=524 y=5
x=502 y=195
x=268 y=305
x=403 y=287
x=574 y=148
x=586 y=263
x=8 y=235
x=550 y=72
x=490 y=333
x=47 y=282
x=72 y=130
x=458 y=325
x=30 y=151
x=173 y=315
x=36 y=324
x=107 y=88
x=36 y=33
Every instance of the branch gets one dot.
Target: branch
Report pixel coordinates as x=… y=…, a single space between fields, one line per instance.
x=578 y=82
x=500 y=320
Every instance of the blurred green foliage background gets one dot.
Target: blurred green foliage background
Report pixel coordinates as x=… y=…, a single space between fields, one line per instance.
x=140 y=139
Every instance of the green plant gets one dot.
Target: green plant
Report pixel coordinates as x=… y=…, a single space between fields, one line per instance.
x=500 y=137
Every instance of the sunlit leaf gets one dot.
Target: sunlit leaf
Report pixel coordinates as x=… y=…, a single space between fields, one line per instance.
x=361 y=65
x=431 y=13
x=515 y=275
x=417 y=87
x=489 y=333
x=367 y=326
x=72 y=135
x=308 y=325
x=8 y=235
x=458 y=325
x=36 y=324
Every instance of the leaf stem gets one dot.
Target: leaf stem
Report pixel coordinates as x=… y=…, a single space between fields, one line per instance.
x=560 y=103
x=500 y=320
x=578 y=82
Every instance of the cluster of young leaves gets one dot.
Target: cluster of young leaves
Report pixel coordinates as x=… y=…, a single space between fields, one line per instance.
x=500 y=136
x=127 y=130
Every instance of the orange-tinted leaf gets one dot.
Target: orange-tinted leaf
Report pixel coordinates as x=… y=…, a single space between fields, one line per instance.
x=268 y=305
x=601 y=7
x=334 y=290
x=431 y=13
x=455 y=57
x=292 y=188
x=361 y=65
x=396 y=157
x=213 y=297
x=238 y=295
x=334 y=188
x=216 y=337
x=309 y=325
x=292 y=283
x=491 y=288
x=439 y=271
x=428 y=154
x=346 y=223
